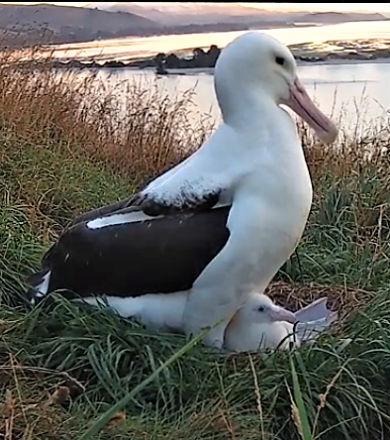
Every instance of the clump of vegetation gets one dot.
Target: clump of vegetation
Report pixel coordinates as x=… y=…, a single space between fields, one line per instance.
x=64 y=148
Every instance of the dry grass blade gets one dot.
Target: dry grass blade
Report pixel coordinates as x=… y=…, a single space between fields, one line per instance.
x=9 y=414
x=258 y=397
x=323 y=397
x=218 y=422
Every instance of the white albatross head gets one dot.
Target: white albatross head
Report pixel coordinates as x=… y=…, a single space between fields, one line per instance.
x=260 y=309
x=256 y=64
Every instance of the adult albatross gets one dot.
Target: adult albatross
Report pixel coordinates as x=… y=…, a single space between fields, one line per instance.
x=221 y=223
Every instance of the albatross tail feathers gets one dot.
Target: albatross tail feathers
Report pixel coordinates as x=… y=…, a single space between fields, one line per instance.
x=39 y=282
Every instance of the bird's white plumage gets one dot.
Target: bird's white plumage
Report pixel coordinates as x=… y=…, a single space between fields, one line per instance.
x=209 y=170
x=154 y=311
x=252 y=330
x=249 y=330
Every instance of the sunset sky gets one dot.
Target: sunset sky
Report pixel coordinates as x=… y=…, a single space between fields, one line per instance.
x=336 y=7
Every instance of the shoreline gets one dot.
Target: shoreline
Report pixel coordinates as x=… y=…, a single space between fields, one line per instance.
x=210 y=70
x=380 y=60
x=77 y=64
x=200 y=59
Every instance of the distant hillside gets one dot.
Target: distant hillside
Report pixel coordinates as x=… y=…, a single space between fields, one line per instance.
x=182 y=14
x=192 y=13
x=43 y=23
x=51 y=23
x=338 y=17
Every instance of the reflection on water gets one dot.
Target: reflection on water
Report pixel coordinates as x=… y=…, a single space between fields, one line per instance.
x=351 y=93
x=132 y=47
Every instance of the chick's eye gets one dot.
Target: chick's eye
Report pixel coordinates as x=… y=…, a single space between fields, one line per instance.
x=261 y=309
x=280 y=60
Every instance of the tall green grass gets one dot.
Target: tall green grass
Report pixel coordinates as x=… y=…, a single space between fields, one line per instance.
x=51 y=170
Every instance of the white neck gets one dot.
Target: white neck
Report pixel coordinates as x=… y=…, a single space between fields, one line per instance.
x=244 y=104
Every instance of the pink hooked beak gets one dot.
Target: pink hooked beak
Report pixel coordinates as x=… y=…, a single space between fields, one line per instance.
x=278 y=313
x=300 y=102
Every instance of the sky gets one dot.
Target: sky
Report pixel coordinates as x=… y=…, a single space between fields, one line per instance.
x=335 y=7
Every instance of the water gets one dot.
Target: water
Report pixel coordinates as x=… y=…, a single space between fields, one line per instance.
x=133 y=47
x=351 y=92
x=355 y=93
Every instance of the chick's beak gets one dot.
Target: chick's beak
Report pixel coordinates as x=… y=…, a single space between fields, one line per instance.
x=280 y=314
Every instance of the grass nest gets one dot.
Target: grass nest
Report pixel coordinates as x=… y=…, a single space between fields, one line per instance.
x=342 y=299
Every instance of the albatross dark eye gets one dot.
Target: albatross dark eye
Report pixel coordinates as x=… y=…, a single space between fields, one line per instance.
x=280 y=60
x=261 y=309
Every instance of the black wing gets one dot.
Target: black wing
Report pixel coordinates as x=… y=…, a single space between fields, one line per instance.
x=160 y=255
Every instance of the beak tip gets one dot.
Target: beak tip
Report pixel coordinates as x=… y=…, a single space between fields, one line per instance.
x=300 y=102
x=282 y=314
x=330 y=135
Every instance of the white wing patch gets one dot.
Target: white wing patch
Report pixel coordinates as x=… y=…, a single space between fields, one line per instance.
x=130 y=217
x=119 y=219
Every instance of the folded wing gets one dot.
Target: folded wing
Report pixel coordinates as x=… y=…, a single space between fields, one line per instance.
x=129 y=254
